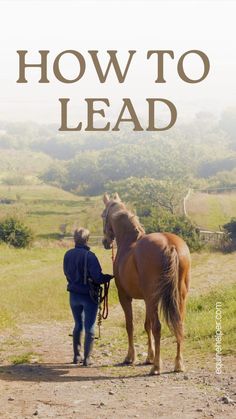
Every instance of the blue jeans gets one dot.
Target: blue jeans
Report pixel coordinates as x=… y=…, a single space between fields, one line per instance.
x=84 y=311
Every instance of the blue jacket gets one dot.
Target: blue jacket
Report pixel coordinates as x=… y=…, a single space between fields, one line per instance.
x=74 y=266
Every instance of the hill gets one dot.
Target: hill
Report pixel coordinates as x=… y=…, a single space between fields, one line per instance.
x=45 y=208
x=22 y=162
x=210 y=211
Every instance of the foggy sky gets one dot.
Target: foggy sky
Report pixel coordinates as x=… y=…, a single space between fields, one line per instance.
x=102 y=25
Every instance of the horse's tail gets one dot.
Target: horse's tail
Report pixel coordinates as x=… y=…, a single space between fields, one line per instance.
x=168 y=298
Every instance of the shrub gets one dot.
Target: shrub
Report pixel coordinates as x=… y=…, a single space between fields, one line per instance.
x=230 y=231
x=14 y=179
x=15 y=233
x=180 y=225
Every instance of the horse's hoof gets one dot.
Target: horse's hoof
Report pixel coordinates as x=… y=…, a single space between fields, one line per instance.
x=179 y=369
x=128 y=362
x=149 y=361
x=179 y=366
x=155 y=371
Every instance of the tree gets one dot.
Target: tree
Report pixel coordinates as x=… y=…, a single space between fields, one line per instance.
x=15 y=233
x=148 y=192
x=163 y=221
x=84 y=175
x=55 y=175
x=228 y=123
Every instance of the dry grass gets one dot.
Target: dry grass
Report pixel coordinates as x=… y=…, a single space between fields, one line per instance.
x=210 y=211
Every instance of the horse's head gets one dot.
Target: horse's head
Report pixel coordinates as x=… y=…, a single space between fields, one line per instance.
x=112 y=205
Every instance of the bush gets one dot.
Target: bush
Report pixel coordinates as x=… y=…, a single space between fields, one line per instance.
x=15 y=233
x=15 y=179
x=180 y=225
x=230 y=231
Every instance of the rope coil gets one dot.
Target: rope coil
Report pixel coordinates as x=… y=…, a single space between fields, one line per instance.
x=103 y=298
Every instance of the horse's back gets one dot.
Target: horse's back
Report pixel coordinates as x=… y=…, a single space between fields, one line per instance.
x=142 y=265
x=149 y=252
x=156 y=243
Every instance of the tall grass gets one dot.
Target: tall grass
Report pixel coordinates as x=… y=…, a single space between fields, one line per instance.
x=201 y=320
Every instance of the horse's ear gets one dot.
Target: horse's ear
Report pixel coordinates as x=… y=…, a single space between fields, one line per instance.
x=106 y=198
x=116 y=197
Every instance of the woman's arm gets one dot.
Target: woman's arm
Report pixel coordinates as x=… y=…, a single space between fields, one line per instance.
x=95 y=270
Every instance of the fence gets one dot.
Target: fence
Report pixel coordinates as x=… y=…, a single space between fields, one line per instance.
x=215 y=238
x=212 y=237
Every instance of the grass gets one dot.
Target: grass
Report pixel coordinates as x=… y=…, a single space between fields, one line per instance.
x=33 y=286
x=210 y=211
x=33 y=290
x=45 y=208
x=200 y=325
x=201 y=320
x=24 y=358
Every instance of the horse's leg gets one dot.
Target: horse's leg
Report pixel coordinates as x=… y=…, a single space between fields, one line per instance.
x=148 y=328
x=126 y=303
x=179 y=365
x=156 y=330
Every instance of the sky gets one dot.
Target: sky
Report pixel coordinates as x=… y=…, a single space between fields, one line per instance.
x=116 y=25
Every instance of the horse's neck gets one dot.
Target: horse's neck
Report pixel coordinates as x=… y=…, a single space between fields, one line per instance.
x=125 y=239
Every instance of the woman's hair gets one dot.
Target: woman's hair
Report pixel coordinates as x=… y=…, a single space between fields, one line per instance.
x=81 y=235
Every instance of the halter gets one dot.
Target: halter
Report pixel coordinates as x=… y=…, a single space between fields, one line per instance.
x=105 y=216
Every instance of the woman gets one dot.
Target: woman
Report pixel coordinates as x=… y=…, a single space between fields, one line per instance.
x=81 y=267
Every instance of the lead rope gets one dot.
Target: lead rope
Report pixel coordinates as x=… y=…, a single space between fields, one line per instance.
x=103 y=312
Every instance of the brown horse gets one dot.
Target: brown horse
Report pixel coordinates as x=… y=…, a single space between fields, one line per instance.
x=153 y=267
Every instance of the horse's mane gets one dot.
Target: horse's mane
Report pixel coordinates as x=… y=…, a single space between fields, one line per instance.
x=128 y=222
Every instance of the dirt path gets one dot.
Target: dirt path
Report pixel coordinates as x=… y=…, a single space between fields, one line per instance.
x=49 y=386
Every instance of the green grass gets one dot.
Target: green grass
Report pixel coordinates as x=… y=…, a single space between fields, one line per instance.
x=33 y=290
x=199 y=343
x=33 y=286
x=24 y=358
x=44 y=208
x=209 y=211
x=201 y=321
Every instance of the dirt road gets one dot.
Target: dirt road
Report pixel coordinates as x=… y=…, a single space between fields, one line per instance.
x=49 y=386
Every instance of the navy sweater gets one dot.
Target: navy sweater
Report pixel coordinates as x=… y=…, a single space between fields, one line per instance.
x=74 y=265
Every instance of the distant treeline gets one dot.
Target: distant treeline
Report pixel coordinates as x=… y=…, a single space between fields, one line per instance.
x=201 y=153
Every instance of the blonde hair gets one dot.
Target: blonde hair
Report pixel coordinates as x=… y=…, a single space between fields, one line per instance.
x=81 y=235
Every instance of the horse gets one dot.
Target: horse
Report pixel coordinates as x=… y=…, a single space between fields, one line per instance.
x=153 y=267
